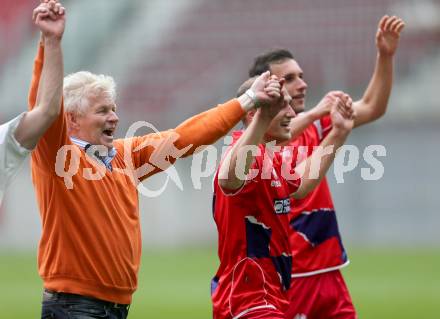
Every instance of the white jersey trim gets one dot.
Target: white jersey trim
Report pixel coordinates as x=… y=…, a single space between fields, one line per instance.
x=232 y=192
x=241 y=314
x=320 y=271
x=267 y=305
x=321 y=130
x=318 y=126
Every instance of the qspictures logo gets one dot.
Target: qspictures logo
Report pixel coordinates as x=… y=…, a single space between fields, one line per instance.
x=206 y=158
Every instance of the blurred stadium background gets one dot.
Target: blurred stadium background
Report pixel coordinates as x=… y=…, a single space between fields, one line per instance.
x=174 y=58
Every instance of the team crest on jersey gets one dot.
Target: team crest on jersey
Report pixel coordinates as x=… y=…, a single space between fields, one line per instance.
x=282 y=206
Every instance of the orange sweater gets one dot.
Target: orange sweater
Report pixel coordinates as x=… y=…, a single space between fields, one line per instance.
x=91 y=240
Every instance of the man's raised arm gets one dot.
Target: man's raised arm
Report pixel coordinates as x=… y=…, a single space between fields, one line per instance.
x=50 y=18
x=252 y=136
x=207 y=127
x=375 y=99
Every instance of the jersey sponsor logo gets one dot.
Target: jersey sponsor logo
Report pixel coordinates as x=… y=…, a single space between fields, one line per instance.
x=282 y=206
x=300 y=316
x=275 y=183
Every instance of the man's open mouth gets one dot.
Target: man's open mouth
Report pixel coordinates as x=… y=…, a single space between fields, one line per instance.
x=108 y=132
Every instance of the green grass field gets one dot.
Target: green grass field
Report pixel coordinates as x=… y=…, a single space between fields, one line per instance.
x=392 y=283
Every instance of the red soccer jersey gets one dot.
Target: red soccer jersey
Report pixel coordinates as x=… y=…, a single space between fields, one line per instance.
x=314 y=237
x=253 y=244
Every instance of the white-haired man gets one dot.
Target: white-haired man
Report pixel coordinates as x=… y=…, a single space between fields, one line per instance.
x=21 y=134
x=90 y=248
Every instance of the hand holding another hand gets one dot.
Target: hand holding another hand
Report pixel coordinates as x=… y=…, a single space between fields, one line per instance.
x=342 y=113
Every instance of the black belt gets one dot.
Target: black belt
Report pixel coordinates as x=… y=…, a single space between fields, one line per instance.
x=49 y=295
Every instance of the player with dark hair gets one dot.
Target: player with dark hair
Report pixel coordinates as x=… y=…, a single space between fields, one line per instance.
x=251 y=204
x=262 y=63
x=318 y=289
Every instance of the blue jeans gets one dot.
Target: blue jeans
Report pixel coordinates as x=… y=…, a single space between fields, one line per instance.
x=70 y=306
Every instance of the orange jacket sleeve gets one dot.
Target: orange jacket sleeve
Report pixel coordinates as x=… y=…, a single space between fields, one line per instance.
x=207 y=127
x=45 y=153
x=36 y=75
x=156 y=152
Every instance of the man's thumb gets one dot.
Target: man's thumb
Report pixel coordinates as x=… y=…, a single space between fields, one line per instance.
x=265 y=76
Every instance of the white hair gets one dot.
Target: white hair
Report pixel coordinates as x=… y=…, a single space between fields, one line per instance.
x=82 y=87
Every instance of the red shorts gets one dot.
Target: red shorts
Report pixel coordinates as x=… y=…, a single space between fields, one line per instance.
x=264 y=314
x=320 y=296
x=255 y=313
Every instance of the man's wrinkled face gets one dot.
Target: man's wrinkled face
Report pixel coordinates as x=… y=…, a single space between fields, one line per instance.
x=98 y=124
x=294 y=82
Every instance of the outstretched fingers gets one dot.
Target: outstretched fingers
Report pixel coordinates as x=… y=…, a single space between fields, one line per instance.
x=393 y=25
x=389 y=22
x=399 y=27
x=383 y=21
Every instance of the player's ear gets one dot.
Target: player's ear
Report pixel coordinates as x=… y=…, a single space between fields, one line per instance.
x=72 y=120
x=248 y=117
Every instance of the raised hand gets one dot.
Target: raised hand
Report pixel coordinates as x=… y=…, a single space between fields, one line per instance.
x=267 y=89
x=269 y=111
x=274 y=98
x=388 y=34
x=324 y=106
x=49 y=16
x=342 y=113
